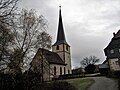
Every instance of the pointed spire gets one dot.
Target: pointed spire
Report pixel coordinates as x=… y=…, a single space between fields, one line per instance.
x=60 y=35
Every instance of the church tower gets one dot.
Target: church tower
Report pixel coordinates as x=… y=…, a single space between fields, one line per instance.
x=61 y=47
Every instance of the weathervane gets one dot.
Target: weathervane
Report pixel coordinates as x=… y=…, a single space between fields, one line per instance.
x=59 y=1
x=60 y=7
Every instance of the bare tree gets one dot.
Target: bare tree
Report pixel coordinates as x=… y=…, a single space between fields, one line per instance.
x=44 y=42
x=89 y=60
x=30 y=34
x=7 y=9
x=6 y=40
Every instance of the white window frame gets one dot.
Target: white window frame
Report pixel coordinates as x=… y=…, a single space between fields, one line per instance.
x=119 y=49
x=111 y=51
x=117 y=63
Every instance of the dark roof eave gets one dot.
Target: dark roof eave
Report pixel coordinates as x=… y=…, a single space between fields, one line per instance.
x=57 y=63
x=58 y=43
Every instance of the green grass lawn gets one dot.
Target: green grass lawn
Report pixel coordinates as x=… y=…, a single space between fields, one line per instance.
x=81 y=83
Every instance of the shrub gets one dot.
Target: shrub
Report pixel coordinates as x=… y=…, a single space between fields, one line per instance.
x=90 y=68
x=68 y=76
x=114 y=74
x=18 y=81
x=6 y=82
x=30 y=82
x=56 y=85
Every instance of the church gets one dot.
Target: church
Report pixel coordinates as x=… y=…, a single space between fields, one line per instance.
x=56 y=62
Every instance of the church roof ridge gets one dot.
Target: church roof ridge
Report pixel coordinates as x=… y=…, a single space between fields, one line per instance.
x=51 y=57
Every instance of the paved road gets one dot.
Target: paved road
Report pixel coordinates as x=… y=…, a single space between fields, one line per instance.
x=103 y=83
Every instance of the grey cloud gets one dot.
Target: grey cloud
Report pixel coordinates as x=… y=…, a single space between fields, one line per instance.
x=88 y=24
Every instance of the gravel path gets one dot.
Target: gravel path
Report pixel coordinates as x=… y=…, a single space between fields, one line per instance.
x=103 y=83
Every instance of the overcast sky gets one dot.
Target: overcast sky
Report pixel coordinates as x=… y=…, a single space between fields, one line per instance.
x=88 y=24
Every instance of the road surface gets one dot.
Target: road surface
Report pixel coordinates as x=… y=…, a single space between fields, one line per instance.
x=103 y=83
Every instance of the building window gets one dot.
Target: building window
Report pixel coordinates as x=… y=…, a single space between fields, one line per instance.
x=68 y=71
x=60 y=70
x=57 y=48
x=119 y=50
x=54 y=70
x=64 y=71
x=116 y=62
x=66 y=47
x=111 y=51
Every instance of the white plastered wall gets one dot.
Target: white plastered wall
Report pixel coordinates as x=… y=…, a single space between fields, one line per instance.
x=114 y=65
x=61 y=52
x=57 y=70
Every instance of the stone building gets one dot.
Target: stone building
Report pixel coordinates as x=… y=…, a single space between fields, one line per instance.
x=112 y=52
x=56 y=62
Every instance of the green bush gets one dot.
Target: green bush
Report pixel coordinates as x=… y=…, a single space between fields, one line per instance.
x=56 y=85
x=30 y=82
x=18 y=81
x=113 y=74
x=90 y=68
x=68 y=76
x=7 y=82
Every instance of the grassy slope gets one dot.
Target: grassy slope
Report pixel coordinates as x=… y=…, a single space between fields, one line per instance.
x=81 y=83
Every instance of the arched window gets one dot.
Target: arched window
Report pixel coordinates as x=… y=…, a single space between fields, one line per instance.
x=54 y=70
x=66 y=47
x=68 y=71
x=57 y=47
x=64 y=71
x=60 y=70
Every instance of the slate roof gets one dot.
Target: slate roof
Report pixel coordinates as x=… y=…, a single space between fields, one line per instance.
x=103 y=66
x=113 y=45
x=51 y=57
x=60 y=35
x=115 y=42
x=117 y=35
